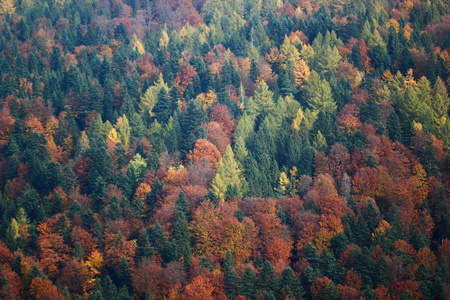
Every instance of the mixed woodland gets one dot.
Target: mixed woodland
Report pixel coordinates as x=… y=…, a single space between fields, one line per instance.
x=224 y=149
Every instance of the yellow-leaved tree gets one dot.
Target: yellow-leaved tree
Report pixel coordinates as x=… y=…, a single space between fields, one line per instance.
x=149 y=99
x=164 y=40
x=298 y=120
x=136 y=44
x=7 y=7
x=113 y=136
x=301 y=73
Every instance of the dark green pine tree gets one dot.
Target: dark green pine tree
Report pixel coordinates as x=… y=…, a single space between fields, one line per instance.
x=78 y=251
x=121 y=33
x=331 y=292
x=193 y=117
x=144 y=250
x=268 y=279
x=324 y=124
x=306 y=160
x=182 y=237
x=373 y=219
x=173 y=143
x=75 y=209
x=286 y=84
x=311 y=254
x=97 y=294
x=55 y=59
x=392 y=45
x=182 y=204
x=123 y=294
x=97 y=186
x=228 y=262
x=355 y=57
x=127 y=107
x=226 y=70
x=248 y=283
x=429 y=160
x=13 y=166
x=312 y=206
x=114 y=211
x=29 y=200
x=406 y=61
x=108 y=99
x=16 y=265
x=25 y=30
x=189 y=92
x=329 y=266
x=219 y=88
x=395 y=232
x=290 y=285
x=394 y=128
x=254 y=71
x=36 y=272
x=361 y=232
x=232 y=285
x=174 y=96
x=163 y=108
x=124 y=275
x=158 y=239
x=364 y=265
x=339 y=243
x=369 y=111
x=154 y=195
x=98 y=231
x=72 y=79
x=383 y=273
x=342 y=91
x=138 y=207
x=441 y=216
x=416 y=239
x=109 y=289
x=102 y=161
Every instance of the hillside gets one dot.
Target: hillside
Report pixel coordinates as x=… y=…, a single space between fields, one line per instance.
x=241 y=149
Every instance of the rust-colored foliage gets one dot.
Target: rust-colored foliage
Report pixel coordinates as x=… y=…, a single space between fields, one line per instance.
x=399 y=287
x=220 y=114
x=75 y=275
x=53 y=254
x=79 y=235
x=217 y=136
x=382 y=293
x=199 y=288
x=42 y=289
x=148 y=277
x=319 y=287
x=204 y=148
x=6 y=125
x=12 y=290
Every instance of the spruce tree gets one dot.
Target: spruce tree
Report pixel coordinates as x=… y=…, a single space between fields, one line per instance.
x=290 y=285
x=109 y=289
x=124 y=275
x=182 y=237
x=268 y=279
x=232 y=287
x=114 y=211
x=162 y=108
x=394 y=127
x=248 y=286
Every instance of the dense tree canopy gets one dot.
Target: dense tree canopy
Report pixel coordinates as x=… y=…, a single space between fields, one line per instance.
x=224 y=149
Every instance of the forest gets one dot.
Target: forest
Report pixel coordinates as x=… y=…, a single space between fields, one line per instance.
x=224 y=149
